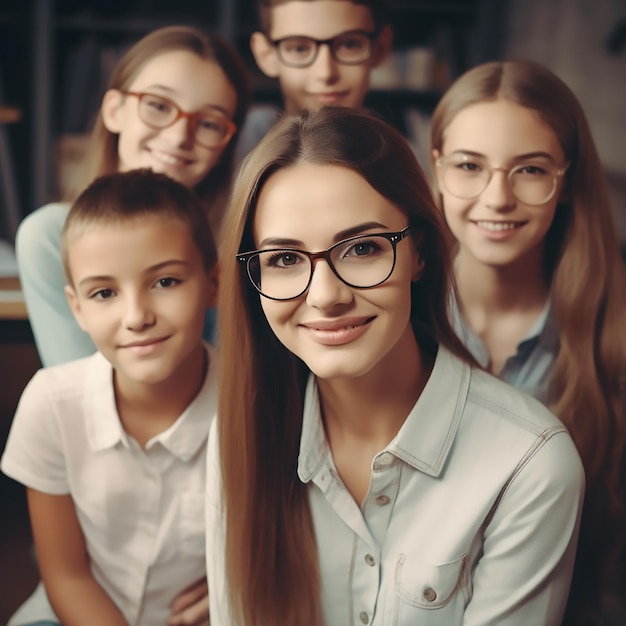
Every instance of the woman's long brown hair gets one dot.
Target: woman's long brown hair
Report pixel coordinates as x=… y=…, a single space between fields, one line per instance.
x=588 y=286
x=271 y=552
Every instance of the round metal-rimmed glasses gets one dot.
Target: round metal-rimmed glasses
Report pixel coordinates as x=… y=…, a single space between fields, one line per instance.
x=350 y=48
x=467 y=176
x=361 y=262
x=211 y=129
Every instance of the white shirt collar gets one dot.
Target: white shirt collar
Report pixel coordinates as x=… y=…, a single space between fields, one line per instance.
x=425 y=439
x=182 y=439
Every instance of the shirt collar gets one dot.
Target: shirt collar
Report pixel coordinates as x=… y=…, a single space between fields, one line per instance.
x=182 y=439
x=543 y=332
x=425 y=439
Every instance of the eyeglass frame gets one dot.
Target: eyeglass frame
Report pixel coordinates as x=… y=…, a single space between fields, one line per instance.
x=372 y=36
x=556 y=172
x=394 y=239
x=231 y=127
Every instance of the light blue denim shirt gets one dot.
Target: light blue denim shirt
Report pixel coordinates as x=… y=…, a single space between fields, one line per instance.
x=530 y=367
x=471 y=517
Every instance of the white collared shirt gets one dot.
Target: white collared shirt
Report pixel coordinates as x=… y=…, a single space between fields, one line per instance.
x=471 y=515
x=141 y=511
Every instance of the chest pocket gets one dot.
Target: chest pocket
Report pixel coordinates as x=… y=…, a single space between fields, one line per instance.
x=422 y=586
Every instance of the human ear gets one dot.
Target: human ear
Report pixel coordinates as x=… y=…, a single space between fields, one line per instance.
x=110 y=110
x=382 y=46
x=264 y=54
x=72 y=300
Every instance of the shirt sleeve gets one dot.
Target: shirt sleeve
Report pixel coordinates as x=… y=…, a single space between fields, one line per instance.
x=525 y=569
x=215 y=556
x=34 y=454
x=58 y=337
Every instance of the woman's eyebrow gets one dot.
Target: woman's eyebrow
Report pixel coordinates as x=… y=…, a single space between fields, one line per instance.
x=340 y=236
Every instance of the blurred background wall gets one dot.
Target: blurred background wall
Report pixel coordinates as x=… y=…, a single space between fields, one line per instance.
x=584 y=42
x=56 y=55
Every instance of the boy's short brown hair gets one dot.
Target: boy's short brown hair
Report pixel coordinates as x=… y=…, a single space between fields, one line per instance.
x=378 y=9
x=123 y=196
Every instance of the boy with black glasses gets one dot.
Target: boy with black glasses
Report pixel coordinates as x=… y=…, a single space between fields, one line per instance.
x=321 y=51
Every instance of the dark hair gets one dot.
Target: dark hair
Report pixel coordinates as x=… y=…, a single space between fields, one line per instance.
x=268 y=521
x=123 y=196
x=378 y=9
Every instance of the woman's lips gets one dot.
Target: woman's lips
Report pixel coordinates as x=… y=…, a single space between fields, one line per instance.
x=337 y=332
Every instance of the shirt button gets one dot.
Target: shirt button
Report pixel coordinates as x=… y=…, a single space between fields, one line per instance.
x=382 y=500
x=370 y=560
x=430 y=595
x=364 y=617
x=383 y=461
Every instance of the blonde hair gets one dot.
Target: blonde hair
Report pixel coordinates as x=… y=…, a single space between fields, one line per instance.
x=102 y=152
x=588 y=284
x=268 y=520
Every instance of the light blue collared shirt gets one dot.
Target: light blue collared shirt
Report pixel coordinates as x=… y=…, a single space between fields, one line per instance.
x=470 y=518
x=529 y=369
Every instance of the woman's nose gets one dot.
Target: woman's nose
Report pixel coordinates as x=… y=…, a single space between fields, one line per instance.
x=326 y=290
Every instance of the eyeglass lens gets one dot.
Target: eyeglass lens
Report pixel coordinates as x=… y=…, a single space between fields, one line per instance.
x=210 y=128
x=530 y=183
x=349 y=48
x=359 y=262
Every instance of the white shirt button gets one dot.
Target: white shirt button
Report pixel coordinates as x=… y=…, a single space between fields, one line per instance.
x=382 y=500
x=384 y=460
x=370 y=560
x=364 y=617
x=430 y=595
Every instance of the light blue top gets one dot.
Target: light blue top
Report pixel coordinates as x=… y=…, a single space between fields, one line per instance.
x=471 y=516
x=530 y=367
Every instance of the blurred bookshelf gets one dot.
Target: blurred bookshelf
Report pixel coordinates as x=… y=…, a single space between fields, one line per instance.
x=72 y=46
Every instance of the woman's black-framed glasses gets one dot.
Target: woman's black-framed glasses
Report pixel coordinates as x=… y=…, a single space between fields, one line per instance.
x=211 y=129
x=350 y=48
x=361 y=262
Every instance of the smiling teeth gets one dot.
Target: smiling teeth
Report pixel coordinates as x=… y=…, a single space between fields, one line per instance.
x=498 y=226
x=167 y=158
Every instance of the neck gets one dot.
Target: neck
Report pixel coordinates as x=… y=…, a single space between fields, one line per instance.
x=166 y=400
x=521 y=285
x=373 y=407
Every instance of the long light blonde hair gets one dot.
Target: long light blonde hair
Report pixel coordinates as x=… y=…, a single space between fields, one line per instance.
x=588 y=285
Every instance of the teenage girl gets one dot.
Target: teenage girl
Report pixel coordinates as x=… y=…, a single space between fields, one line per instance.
x=363 y=469
x=541 y=300
x=174 y=104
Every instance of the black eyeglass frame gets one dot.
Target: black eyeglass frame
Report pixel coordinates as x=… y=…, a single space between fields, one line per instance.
x=394 y=239
x=372 y=36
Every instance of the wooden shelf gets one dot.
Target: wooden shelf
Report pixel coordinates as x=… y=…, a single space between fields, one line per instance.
x=9 y=115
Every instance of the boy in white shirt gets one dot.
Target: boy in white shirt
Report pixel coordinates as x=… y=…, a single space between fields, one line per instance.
x=112 y=447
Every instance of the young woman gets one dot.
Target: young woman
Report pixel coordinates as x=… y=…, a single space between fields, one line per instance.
x=174 y=104
x=542 y=298
x=363 y=470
